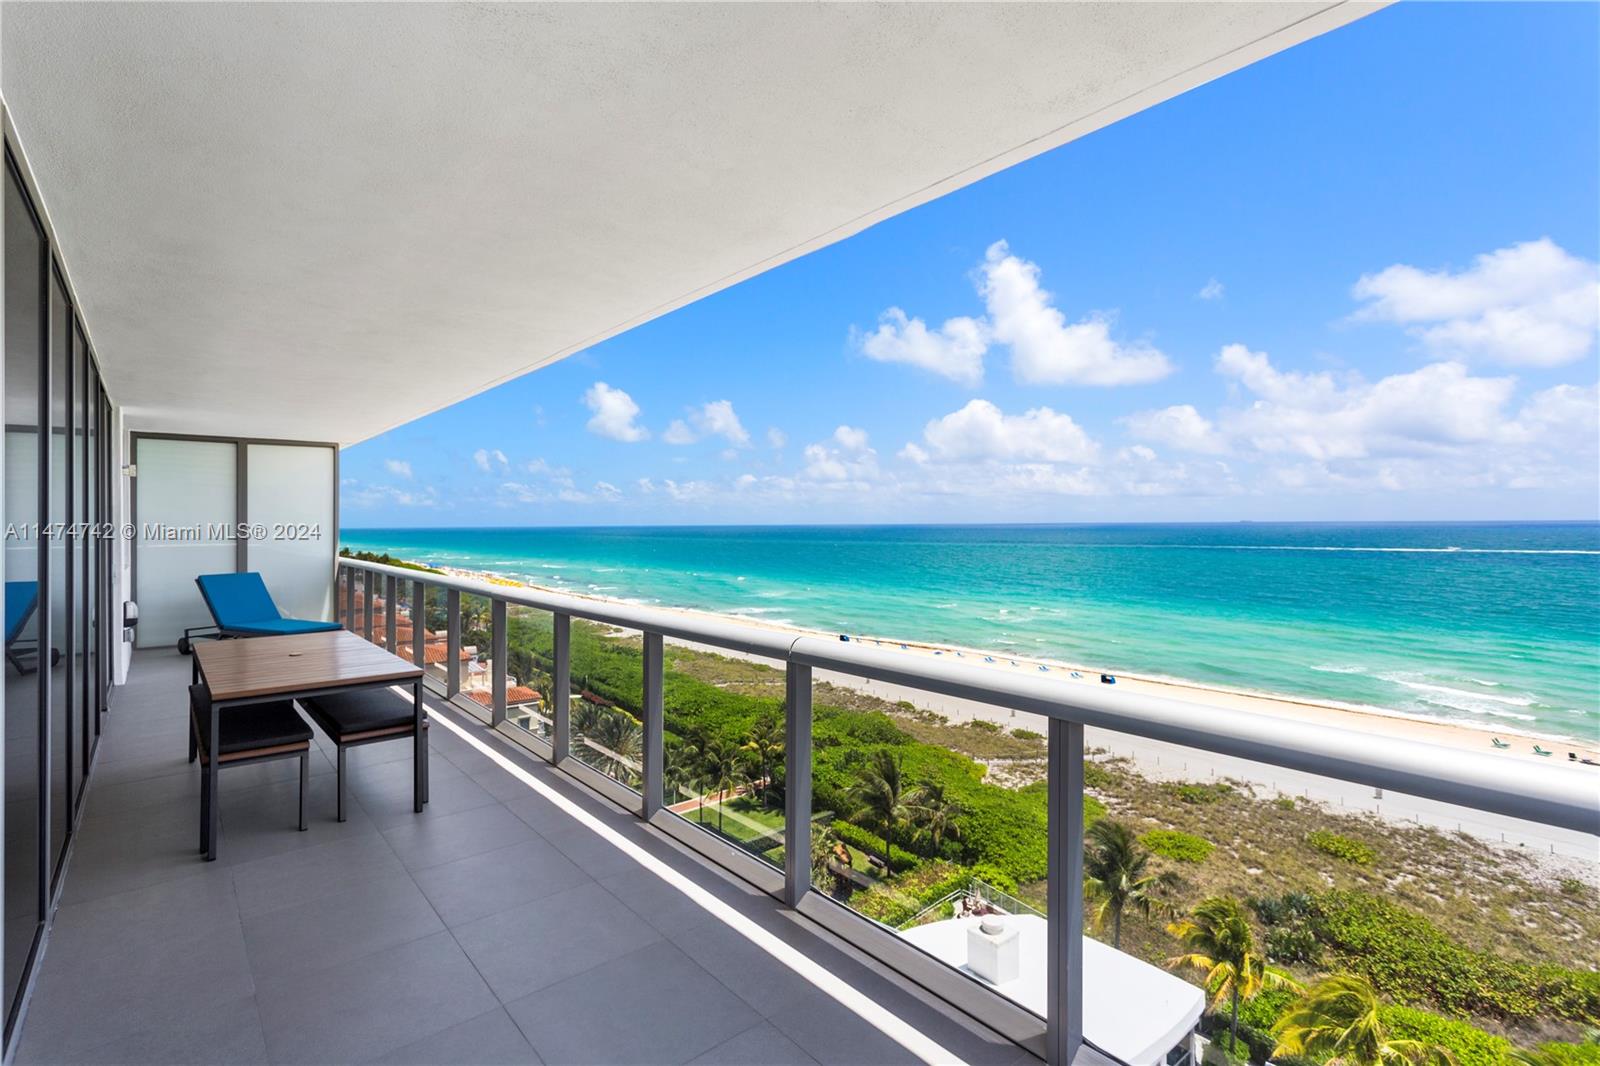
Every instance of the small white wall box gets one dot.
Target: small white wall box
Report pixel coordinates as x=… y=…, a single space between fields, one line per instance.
x=994 y=950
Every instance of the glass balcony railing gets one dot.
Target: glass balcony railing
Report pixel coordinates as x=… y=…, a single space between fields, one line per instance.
x=1072 y=865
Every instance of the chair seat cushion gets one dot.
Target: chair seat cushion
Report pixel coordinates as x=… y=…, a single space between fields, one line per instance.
x=256 y=729
x=362 y=714
x=278 y=626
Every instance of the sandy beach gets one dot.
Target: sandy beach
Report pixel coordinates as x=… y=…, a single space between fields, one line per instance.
x=1165 y=761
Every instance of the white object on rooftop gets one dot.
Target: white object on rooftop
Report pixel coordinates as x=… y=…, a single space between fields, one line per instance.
x=994 y=950
x=1131 y=1009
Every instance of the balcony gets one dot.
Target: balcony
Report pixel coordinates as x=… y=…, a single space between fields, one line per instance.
x=522 y=918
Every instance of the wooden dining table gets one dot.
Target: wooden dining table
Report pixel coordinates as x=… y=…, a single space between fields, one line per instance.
x=255 y=670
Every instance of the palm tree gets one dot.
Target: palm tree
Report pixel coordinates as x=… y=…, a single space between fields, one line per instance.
x=1339 y=1018
x=719 y=766
x=936 y=813
x=621 y=734
x=1221 y=945
x=1116 y=873
x=765 y=748
x=882 y=799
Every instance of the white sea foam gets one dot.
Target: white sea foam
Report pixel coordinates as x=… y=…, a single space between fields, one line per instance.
x=1447 y=550
x=1337 y=668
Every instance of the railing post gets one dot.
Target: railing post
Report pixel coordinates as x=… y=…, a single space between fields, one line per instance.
x=653 y=786
x=497 y=661
x=797 y=784
x=419 y=624
x=1064 y=995
x=350 y=598
x=561 y=688
x=369 y=582
x=452 y=665
x=391 y=611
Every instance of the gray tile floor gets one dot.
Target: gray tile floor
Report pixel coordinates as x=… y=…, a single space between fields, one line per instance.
x=494 y=928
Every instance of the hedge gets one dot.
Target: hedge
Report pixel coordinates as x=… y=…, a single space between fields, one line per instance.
x=864 y=839
x=1174 y=844
x=1409 y=960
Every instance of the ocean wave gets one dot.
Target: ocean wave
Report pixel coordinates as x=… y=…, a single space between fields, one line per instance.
x=752 y=610
x=1336 y=668
x=1450 y=549
x=1446 y=691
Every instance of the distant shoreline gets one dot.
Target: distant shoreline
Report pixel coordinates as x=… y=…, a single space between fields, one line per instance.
x=1372 y=720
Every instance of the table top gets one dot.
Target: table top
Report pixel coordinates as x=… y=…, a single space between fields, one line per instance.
x=300 y=662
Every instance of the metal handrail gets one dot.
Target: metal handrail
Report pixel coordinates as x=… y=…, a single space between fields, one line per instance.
x=1557 y=795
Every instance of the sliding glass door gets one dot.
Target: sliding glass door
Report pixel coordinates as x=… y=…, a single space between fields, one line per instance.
x=55 y=497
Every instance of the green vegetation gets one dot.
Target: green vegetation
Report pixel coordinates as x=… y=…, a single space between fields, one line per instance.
x=386 y=559
x=1194 y=792
x=1405 y=956
x=1341 y=847
x=1177 y=845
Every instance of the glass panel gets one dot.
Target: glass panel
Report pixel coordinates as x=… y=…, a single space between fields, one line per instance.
x=477 y=649
x=61 y=619
x=725 y=767
x=24 y=334
x=607 y=700
x=290 y=499
x=402 y=625
x=78 y=559
x=930 y=814
x=436 y=638
x=530 y=671
x=186 y=507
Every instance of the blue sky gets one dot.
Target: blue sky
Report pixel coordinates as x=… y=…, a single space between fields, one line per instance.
x=1354 y=281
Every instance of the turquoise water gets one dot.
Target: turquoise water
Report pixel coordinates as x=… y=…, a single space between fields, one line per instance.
x=1494 y=624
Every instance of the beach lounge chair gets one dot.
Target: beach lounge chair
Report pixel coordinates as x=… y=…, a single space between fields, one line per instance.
x=241 y=606
x=988 y=658
x=22 y=599
x=1497 y=742
x=1108 y=679
x=1537 y=750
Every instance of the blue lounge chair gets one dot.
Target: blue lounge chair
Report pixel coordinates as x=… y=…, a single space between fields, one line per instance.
x=22 y=597
x=241 y=606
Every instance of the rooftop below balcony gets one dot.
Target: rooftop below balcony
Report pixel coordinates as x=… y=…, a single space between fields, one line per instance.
x=521 y=918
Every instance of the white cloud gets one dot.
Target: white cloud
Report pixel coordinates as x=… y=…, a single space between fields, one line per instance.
x=914 y=453
x=846 y=457
x=376 y=495
x=688 y=491
x=487 y=458
x=1045 y=349
x=1180 y=426
x=607 y=491
x=851 y=438
x=1531 y=304
x=717 y=419
x=981 y=431
x=955 y=350
x=776 y=438
x=714 y=419
x=1211 y=290
x=614 y=414
x=1436 y=428
x=398 y=467
x=646 y=486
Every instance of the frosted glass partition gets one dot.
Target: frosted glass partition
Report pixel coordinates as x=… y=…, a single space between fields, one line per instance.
x=289 y=499
x=186 y=508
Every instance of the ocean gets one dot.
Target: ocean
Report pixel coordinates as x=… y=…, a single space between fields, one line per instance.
x=1497 y=625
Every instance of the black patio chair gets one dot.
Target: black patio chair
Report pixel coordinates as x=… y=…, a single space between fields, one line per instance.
x=251 y=734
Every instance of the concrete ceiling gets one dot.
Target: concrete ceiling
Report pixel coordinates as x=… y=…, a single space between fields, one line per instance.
x=321 y=221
